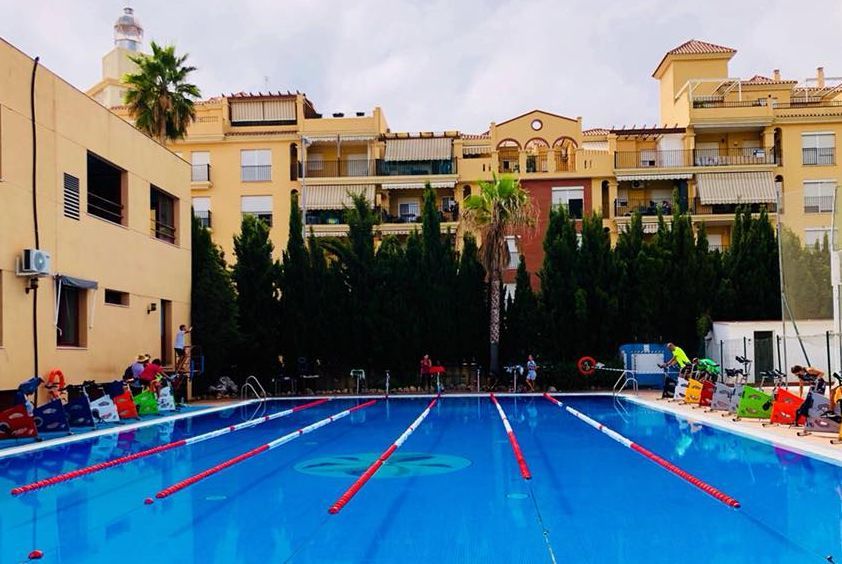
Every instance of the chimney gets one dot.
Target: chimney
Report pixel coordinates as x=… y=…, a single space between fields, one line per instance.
x=776 y=74
x=820 y=77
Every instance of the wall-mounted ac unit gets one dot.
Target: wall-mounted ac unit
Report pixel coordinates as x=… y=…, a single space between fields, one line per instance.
x=34 y=262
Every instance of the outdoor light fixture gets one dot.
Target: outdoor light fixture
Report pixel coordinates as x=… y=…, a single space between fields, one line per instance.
x=151 y=307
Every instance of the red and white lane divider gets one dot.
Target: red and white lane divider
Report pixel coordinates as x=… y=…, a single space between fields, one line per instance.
x=159 y=449
x=705 y=487
x=166 y=492
x=366 y=476
x=521 y=461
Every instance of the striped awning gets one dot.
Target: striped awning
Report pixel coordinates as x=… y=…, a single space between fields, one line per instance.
x=336 y=196
x=340 y=138
x=419 y=149
x=419 y=185
x=655 y=176
x=263 y=110
x=649 y=227
x=736 y=188
x=476 y=150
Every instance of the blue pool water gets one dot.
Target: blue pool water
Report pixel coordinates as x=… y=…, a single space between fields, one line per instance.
x=452 y=494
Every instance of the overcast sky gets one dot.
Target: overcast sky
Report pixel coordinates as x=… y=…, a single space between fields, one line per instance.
x=441 y=64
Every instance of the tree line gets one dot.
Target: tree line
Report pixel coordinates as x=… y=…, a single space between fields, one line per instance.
x=342 y=303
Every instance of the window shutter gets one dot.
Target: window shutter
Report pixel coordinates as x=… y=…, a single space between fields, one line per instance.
x=71 y=196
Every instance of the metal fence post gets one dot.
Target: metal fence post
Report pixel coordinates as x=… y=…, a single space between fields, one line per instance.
x=721 y=354
x=829 y=367
x=780 y=365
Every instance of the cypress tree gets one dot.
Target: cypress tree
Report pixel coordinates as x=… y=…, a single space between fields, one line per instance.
x=522 y=318
x=559 y=286
x=471 y=305
x=296 y=291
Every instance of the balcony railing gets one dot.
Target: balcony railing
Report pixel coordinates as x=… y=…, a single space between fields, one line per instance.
x=818 y=204
x=698 y=208
x=341 y=168
x=255 y=173
x=200 y=173
x=679 y=158
x=415 y=168
x=818 y=156
x=105 y=208
x=713 y=103
x=628 y=206
x=163 y=231
x=565 y=163
x=204 y=218
x=808 y=103
x=537 y=163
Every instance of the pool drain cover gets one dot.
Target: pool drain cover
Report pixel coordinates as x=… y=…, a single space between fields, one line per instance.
x=400 y=465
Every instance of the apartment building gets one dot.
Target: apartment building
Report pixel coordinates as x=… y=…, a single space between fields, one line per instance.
x=106 y=219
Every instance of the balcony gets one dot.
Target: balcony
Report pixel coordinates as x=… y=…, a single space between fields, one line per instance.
x=340 y=168
x=628 y=206
x=698 y=208
x=415 y=168
x=256 y=173
x=163 y=231
x=537 y=163
x=808 y=103
x=204 y=218
x=818 y=204
x=681 y=158
x=104 y=208
x=200 y=173
x=718 y=103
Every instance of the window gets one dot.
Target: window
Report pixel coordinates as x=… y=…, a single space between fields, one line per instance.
x=256 y=165
x=816 y=236
x=106 y=190
x=115 y=297
x=409 y=210
x=201 y=166
x=263 y=112
x=315 y=161
x=514 y=254
x=71 y=314
x=509 y=290
x=201 y=210
x=818 y=196
x=573 y=199
x=448 y=203
x=71 y=197
x=258 y=206
x=818 y=148
x=162 y=213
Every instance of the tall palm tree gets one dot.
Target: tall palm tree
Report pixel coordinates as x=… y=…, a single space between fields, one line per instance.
x=501 y=207
x=159 y=97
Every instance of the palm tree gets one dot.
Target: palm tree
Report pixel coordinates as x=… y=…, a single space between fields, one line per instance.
x=501 y=207
x=159 y=97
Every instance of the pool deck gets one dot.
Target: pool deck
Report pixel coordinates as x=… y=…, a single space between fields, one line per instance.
x=816 y=445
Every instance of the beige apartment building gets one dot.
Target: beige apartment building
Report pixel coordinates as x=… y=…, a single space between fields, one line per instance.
x=109 y=254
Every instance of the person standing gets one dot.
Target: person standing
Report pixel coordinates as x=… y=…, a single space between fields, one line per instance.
x=424 y=371
x=680 y=358
x=180 y=345
x=531 y=373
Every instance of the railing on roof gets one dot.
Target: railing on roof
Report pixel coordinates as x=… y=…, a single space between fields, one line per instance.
x=678 y=158
x=714 y=103
x=807 y=103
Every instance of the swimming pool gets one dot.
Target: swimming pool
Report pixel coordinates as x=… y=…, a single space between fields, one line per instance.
x=452 y=493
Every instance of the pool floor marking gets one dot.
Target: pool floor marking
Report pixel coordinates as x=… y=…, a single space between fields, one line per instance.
x=375 y=466
x=166 y=492
x=705 y=487
x=159 y=449
x=521 y=461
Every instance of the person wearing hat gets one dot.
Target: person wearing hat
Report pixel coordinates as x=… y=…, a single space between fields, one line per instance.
x=132 y=373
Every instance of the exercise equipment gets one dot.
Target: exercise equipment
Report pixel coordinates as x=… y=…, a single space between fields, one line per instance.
x=785 y=407
x=78 y=407
x=754 y=404
x=147 y=403
x=123 y=399
x=51 y=417
x=693 y=394
x=103 y=407
x=706 y=397
x=17 y=423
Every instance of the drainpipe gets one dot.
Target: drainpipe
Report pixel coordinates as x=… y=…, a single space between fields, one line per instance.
x=33 y=282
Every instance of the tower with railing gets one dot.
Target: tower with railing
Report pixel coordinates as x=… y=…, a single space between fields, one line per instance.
x=128 y=42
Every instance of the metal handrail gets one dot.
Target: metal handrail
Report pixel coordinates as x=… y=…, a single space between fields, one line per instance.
x=623 y=381
x=254 y=388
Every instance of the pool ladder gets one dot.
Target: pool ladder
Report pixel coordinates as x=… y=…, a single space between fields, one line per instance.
x=627 y=379
x=252 y=387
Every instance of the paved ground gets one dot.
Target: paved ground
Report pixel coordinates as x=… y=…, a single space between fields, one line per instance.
x=816 y=444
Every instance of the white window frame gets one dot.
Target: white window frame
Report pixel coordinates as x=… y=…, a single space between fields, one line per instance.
x=409 y=202
x=257 y=206
x=514 y=251
x=820 y=192
x=818 y=141
x=451 y=200
x=561 y=196
x=813 y=235
x=253 y=158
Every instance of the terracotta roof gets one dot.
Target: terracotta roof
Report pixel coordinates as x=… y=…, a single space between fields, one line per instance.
x=760 y=79
x=696 y=47
x=595 y=131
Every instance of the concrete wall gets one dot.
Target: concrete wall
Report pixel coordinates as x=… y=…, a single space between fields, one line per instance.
x=125 y=257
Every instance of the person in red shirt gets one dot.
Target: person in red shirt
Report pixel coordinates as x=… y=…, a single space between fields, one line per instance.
x=426 y=364
x=149 y=376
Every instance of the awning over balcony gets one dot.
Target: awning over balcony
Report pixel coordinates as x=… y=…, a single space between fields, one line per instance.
x=418 y=185
x=655 y=176
x=736 y=188
x=476 y=150
x=336 y=196
x=340 y=138
x=419 y=149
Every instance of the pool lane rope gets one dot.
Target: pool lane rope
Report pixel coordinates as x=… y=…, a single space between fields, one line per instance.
x=521 y=461
x=88 y=470
x=166 y=492
x=375 y=466
x=705 y=487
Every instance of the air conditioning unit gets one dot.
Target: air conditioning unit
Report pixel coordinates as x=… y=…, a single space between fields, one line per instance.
x=637 y=184
x=34 y=262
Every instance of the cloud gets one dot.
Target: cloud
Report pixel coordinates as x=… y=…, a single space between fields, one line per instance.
x=436 y=64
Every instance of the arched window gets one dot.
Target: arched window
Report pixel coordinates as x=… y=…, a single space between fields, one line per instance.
x=466 y=191
x=293 y=162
